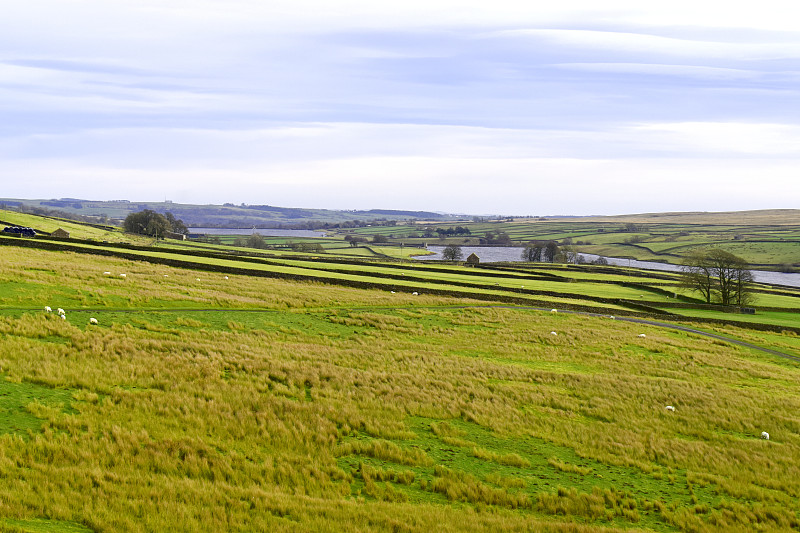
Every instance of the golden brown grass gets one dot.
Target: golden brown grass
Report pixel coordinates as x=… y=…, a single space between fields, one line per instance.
x=297 y=414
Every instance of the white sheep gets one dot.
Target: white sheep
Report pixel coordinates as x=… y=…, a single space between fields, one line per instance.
x=553 y=333
x=642 y=335
x=392 y=292
x=670 y=408
x=123 y=275
x=415 y=293
x=63 y=317
x=92 y=320
x=197 y=279
x=47 y=309
x=611 y=317
x=554 y=310
x=106 y=273
x=60 y=311
x=765 y=435
x=226 y=277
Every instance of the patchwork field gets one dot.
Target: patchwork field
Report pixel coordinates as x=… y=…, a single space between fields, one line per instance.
x=213 y=401
x=770 y=239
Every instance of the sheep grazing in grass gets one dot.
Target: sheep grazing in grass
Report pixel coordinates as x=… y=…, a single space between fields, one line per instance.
x=63 y=317
x=197 y=279
x=765 y=435
x=415 y=293
x=553 y=333
x=392 y=292
x=93 y=320
x=106 y=273
x=47 y=309
x=611 y=317
x=670 y=408
x=642 y=335
x=123 y=275
x=554 y=310
x=226 y=277
x=60 y=311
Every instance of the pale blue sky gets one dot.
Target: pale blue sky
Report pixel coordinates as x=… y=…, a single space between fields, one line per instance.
x=471 y=106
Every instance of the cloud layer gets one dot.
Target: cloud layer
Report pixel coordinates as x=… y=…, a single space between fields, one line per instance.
x=463 y=107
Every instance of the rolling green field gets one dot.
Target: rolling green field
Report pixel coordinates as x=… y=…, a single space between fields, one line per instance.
x=770 y=239
x=210 y=400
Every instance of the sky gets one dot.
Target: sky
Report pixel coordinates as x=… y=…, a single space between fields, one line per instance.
x=469 y=106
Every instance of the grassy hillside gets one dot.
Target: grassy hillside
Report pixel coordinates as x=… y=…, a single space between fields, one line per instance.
x=76 y=230
x=215 y=401
x=755 y=218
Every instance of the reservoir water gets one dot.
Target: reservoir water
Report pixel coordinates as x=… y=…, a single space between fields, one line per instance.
x=493 y=254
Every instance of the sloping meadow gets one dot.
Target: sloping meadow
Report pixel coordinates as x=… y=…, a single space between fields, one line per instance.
x=250 y=404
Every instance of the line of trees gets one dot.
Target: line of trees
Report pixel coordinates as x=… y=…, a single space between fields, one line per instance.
x=450 y=232
x=719 y=276
x=540 y=251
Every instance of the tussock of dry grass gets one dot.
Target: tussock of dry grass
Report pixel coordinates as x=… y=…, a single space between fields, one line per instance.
x=231 y=420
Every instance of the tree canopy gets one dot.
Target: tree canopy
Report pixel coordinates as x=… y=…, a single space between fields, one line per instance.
x=148 y=222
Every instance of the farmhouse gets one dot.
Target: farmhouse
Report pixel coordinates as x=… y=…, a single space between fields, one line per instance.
x=60 y=234
x=473 y=259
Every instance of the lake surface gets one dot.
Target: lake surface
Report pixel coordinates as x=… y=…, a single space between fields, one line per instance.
x=493 y=254
x=266 y=232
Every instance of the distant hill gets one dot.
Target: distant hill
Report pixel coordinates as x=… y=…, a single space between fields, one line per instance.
x=755 y=217
x=226 y=215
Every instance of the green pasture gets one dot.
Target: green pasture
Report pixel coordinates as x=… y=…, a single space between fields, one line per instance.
x=768 y=253
x=200 y=403
x=776 y=318
x=771 y=244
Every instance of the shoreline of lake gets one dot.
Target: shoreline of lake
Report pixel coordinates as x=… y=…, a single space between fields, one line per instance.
x=497 y=254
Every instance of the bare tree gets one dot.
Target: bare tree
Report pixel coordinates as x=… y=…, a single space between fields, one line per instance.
x=532 y=252
x=719 y=275
x=452 y=253
x=697 y=275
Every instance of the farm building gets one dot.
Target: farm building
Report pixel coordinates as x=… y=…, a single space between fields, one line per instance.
x=173 y=235
x=60 y=234
x=473 y=259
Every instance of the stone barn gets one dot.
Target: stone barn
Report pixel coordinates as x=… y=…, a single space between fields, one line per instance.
x=60 y=234
x=473 y=259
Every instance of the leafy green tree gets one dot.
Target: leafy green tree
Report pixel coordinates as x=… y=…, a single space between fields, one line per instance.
x=176 y=225
x=147 y=222
x=256 y=240
x=550 y=251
